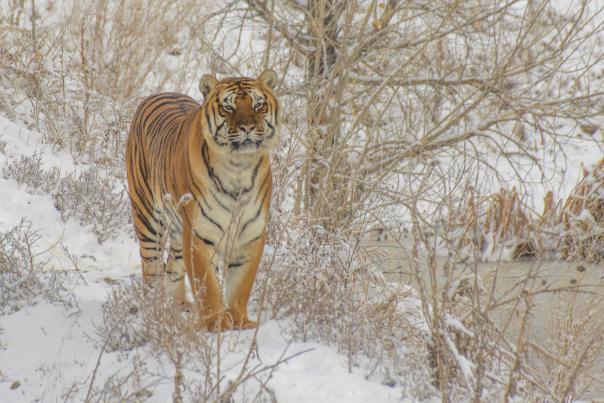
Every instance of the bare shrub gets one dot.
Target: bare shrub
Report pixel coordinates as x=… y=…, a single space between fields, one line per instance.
x=571 y=350
x=142 y=321
x=74 y=70
x=93 y=198
x=497 y=349
x=506 y=221
x=28 y=170
x=393 y=96
x=388 y=86
x=325 y=289
x=96 y=200
x=502 y=226
x=24 y=275
x=474 y=358
x=121 y=328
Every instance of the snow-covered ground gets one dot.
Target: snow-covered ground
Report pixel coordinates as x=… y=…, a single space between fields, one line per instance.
x=49 y=351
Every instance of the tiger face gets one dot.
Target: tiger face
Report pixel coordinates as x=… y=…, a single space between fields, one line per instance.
x=241 y=114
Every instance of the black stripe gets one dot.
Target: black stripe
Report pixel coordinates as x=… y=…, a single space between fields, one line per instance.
x=146 y=224
x=209 y=218
x=236 y=264
x=208 y=120
x=153 y=248
x=264 y=182
x=144 y=238
x=214 y=177
x=160 y=122
x=203 y=199
x=218 y=183
x=191 y=170
x=257 y=213
x=143 y=199
x=205 y=240
x=149 y=112
x=220 y=203
x=215 y=111
x=251 y=220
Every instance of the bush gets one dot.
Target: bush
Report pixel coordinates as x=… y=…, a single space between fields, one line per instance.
x=94 y=199
x=325 y=287
x=23 y=275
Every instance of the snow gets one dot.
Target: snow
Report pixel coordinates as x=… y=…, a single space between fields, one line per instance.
x=49 y=351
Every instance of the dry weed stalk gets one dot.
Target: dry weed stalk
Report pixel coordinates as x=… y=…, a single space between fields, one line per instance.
x=203 y=366
x=323 y=289
x=573 y=230
x=391 y=93
x=582 y=218
x=506 y=222
x=493 y=223
x=73 y=69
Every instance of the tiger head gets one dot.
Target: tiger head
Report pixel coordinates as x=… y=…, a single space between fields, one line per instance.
x=241 y=114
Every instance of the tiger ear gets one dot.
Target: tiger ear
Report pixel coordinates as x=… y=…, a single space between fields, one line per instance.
x=206 y=84
x=269 y=78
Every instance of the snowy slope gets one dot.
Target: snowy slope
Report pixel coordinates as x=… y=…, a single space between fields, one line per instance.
x=49 y=351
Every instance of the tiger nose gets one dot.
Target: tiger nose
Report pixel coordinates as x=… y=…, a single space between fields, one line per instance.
x=247 y=127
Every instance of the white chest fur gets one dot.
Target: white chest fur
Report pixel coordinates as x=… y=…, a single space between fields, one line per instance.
x=230 y=213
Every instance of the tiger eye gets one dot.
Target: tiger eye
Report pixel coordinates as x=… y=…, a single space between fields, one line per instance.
x=225 y=108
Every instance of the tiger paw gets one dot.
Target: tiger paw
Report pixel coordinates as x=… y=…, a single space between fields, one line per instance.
x=245 y=324
x=219 y=323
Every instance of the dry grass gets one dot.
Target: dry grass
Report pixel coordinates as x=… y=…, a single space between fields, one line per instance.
x=582 y=218
x=573 y=230
x=75 y=71
x=24 y=275
x=323 y=287
x=201 y=366
x=572 y=351
x=91 y=196
x=493 y=224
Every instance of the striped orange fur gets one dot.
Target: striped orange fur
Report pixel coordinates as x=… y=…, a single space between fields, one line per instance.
x=199 y=179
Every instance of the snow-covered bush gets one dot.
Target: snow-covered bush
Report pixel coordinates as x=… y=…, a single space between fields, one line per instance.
x=381 y=101
x=202 y=366
x=326 y=288
x=96 y=200
x=24 y=278
x=27 y=170
x=93 y=198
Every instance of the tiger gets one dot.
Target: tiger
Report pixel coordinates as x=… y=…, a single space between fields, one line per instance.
x=199 y=179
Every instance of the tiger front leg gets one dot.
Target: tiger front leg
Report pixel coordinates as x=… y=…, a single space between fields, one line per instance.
x=239 y=280
x=198 y=256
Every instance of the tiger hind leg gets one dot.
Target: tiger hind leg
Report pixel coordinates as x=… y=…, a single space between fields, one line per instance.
x=149 y=233
x=174 y=281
